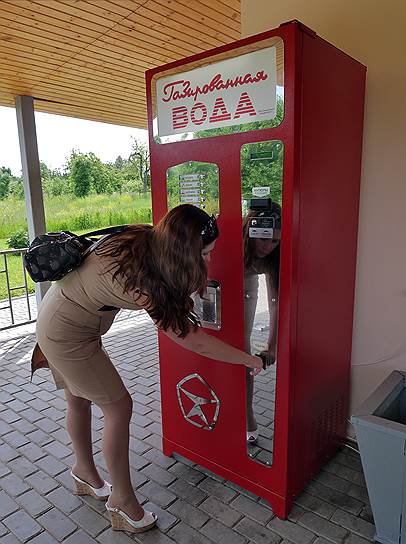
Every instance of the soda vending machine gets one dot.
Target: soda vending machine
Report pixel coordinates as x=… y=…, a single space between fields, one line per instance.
x=266 y=134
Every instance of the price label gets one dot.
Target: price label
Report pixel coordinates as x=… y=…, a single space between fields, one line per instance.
x=261 y=191
x=191 y=199
x=191 y=176
x=189 y=184
x=195 y=192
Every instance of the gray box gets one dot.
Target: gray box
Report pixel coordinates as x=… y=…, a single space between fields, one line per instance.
x=380 y=426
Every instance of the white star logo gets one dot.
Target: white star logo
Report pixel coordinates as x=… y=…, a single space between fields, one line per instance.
x=198 y=402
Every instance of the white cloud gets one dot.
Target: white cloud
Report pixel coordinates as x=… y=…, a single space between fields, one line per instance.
x=58 y=135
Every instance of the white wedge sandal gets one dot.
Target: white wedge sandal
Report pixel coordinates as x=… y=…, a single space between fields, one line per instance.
x=120 y=521
x=83 y=488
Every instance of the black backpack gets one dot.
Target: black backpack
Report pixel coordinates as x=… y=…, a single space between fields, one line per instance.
x=52 y=255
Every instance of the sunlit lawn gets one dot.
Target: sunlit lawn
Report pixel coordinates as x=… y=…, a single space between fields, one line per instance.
x=78 y=215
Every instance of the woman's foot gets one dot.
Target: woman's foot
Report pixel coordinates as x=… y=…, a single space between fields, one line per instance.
x=90 y=476
x=128 y=505
x=88 y=482
x=82 y=487
x=128 y=515
x=121 y=521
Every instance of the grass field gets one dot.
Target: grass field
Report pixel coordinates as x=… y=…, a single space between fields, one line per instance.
x=67 y=213
x=75 y=214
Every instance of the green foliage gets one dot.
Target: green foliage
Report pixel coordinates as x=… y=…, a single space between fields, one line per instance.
x=73 y=213
x=119 y=163
x=5 y=177
x=8 y=182
x=16 y=189
x=266 y=172
x=80 y=167
x=87 y=174
x=209 y=183
x=139 y=165
x=84 y=174
x=56 y=186
x=18 y=240
x=54 y=183
x=100 y=175
x=16 y=277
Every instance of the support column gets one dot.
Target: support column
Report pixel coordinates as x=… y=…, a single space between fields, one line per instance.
x=34 y=201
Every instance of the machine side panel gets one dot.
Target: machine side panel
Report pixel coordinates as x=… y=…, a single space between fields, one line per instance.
x=328 y=186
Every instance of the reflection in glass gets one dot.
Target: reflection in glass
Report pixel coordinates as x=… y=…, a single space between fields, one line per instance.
x=194 y=183
x=262 y=168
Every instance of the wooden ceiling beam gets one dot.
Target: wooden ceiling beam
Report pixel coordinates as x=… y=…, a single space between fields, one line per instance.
x=87 y=58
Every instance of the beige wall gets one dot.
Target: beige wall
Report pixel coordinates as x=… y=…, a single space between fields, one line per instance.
x=375 y=34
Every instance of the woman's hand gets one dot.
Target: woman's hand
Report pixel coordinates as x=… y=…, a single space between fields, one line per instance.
x=214 y=348
x=256 y=364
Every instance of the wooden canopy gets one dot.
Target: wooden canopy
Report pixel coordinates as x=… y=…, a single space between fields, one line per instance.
x=87 y=58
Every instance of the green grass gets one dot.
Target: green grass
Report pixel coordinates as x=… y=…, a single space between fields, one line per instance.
x=68 y=213
x=16 y=276
x=63 y=213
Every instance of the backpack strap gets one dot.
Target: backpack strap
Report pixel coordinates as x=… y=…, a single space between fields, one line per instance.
x=107 y=230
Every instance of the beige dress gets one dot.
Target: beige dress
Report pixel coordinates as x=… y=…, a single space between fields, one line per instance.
x=73 y=316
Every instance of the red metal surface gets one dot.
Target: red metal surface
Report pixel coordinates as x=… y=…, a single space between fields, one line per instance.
x=302 y=352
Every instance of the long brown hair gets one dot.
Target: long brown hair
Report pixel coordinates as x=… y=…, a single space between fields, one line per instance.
x=164 y=263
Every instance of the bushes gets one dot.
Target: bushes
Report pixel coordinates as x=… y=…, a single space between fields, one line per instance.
x=18 y=240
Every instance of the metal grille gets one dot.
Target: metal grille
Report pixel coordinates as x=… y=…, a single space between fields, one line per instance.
x=328 y=426
x=325 y=435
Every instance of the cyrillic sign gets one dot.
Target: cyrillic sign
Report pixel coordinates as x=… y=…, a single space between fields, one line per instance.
x=230 y=92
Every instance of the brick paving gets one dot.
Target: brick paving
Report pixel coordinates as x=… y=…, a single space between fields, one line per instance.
x=194 y=506
x=20 y=310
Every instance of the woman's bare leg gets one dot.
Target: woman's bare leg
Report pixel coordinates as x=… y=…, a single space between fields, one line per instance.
x=78 y=423
x=249 y=384
x=115 y=444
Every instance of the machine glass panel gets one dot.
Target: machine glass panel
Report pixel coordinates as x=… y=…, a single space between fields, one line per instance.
x=194 y=183
x=261 y=177
x=197 y=183
x=234 y=91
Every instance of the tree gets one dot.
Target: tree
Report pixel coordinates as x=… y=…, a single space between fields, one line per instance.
x=139 y=160
x=16 y=188
x=119 y=163
x=5 y=179
x=100 y=175
x=54 y=183
x=80 y=167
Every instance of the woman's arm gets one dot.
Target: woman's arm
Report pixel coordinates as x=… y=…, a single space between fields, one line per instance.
x=209 y=346
x=204 y=344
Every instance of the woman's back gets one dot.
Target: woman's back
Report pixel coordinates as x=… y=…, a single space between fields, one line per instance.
x=92 y=286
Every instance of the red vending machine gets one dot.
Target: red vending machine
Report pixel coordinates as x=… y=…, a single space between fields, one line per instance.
x=266 y=134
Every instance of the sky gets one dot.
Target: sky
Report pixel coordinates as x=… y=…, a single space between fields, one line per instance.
x=58 y=135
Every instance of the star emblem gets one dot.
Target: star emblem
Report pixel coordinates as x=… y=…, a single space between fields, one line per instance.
x=201 y=419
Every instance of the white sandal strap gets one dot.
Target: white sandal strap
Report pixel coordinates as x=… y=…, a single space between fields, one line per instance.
x=102 y=491
x=147 y=518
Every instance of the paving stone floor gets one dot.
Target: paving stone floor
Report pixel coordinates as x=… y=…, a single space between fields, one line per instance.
x=21 y=311
x=194 y=505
